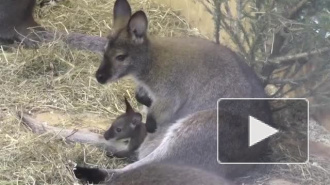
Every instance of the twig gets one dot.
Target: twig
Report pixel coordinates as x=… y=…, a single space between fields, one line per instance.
x=245 y=35
x=217 y=20
x=234 y=37
x=279 y=60
x=295 y=10
x=208 y=9
x=278 y=38
x=282 y=85
x=228 y=11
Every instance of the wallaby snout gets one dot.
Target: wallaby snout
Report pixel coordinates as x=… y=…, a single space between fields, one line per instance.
x=109 y=134
x=116 y=63
x=103 y=73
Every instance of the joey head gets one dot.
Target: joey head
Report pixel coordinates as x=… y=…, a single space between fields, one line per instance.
x=127 y=127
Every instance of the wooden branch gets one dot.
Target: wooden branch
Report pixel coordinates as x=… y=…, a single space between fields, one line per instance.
x=279 y=90
x=295 y=10
x=280 y=60
x=76 y=40
x=228 y=11
x=245 y=34
x=207 y=7
x=234 y=37
x=71 y=135
x=86 y=42
x=217 y=20
x=278 y=38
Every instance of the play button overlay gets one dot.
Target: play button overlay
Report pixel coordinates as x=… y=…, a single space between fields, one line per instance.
x=262 y=131
x=259 y=131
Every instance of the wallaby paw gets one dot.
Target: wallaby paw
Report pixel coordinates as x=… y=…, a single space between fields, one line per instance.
x=90 y=175
x=144 y=100
x=141 y=96
x=151 y=124
x=109 y=154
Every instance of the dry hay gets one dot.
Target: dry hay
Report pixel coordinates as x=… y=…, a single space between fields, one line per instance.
x=56 y=80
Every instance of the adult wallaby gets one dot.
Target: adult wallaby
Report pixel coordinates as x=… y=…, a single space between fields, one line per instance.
x=17 y=22
x=184 y=78
x=156 y=174
x=128 y=126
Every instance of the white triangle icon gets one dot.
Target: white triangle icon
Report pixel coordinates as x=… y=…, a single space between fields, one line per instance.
x=259 y=131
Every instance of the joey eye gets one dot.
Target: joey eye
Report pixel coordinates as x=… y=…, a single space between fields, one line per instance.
x=118 y=130
x=121 y=57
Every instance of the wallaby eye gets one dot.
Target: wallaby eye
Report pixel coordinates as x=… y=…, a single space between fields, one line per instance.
x=118 y=130
x=121 y=57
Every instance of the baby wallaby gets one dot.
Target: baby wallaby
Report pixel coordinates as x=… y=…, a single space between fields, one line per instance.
x=128 y=127
x=16 y=19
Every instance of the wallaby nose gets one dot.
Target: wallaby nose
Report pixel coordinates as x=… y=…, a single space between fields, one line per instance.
x=106 y=136
x=109 y=134
x=101 y=78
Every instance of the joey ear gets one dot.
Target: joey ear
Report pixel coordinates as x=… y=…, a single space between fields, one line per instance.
x=138 y=26
x=129 y=108
x=137 y=119
x=121 y=13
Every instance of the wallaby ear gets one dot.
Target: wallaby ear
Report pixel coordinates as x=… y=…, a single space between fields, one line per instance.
x=121 y=13
x=138 y=26
x=137 y=119
x=129 y=108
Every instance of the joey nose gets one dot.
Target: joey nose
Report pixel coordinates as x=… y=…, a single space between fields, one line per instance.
x=101 y=78
x=109 y=134
x=106 y=136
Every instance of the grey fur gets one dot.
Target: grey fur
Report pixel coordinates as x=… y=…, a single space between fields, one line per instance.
x=184 y=78
x=166 y=174
x=16 y=19
x=127 y=126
